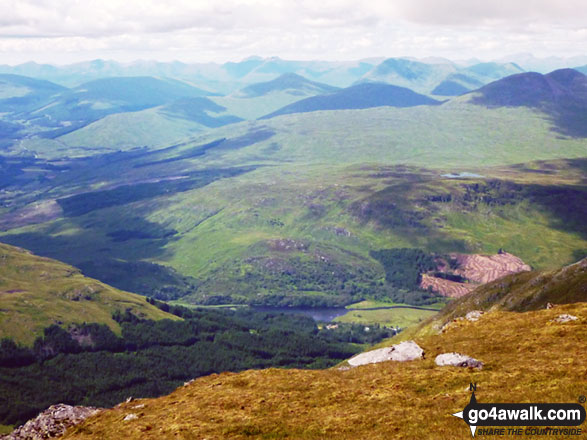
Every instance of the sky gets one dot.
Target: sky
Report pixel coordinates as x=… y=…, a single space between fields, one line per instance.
x=67 y=31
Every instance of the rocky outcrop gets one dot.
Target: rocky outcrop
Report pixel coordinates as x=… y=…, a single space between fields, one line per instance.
x=404 y=351
x=457 y=360
x=52 y=422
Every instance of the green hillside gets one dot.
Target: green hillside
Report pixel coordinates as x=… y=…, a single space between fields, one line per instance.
x=561 y=94
x=47 y=111
x=258 y=99
x=123 y=131
x=289 y=210
x=37 y=292
x=154 y=128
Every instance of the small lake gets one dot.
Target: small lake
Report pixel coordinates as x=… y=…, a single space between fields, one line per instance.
x=319 y=314
x=463 y=175
x=327 y=314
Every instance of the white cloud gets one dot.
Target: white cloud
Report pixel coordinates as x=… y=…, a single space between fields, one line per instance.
x=492 y=12
x=195 y=30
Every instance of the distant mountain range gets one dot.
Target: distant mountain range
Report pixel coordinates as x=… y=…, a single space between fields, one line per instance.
x=39 y=108
x=445 y=79
x=124 y=112
x=422 y=75
x=532 y=63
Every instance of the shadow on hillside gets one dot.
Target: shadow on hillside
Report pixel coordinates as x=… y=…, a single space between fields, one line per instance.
x=115 y=258
x=415 y=208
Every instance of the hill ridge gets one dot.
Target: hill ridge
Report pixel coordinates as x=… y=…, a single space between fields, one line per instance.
x=36 y=292
x=360 y=96
x=296 y=84
x=562 y=94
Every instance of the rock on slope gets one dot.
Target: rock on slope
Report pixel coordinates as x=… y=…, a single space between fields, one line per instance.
x=53 y=422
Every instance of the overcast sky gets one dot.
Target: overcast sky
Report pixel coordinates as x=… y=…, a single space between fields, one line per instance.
x=65 y=31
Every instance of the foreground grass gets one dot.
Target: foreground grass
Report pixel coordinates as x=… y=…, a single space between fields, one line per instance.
x=527 y=358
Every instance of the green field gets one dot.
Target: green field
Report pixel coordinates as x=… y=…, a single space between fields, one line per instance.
x=392 y=317
x=369 y=304
x=397 y=317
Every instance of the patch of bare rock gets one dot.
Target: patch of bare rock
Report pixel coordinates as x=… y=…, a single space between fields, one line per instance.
x=471 y=271
x=52 y=422
x=486 y=268
x=402 y=352
x=451 y=289
x=129 y=417
x=457 y=360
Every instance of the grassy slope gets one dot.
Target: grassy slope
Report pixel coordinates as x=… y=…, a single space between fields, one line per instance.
x=458 y=136
x=524 y=229
x=527 y=359
x=130 y=130
x=36 y=292
x=366 y=95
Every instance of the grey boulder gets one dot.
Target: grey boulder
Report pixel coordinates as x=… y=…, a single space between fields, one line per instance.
x=405 y=351
x=457 y=360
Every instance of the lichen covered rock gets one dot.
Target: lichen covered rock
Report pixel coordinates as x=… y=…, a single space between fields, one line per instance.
x=405 y=351
x=52 y=422
x=457 y=360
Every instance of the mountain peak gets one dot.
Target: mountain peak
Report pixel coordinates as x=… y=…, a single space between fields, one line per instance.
x=567 y=76
x=561 y=94
x=364 y=95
